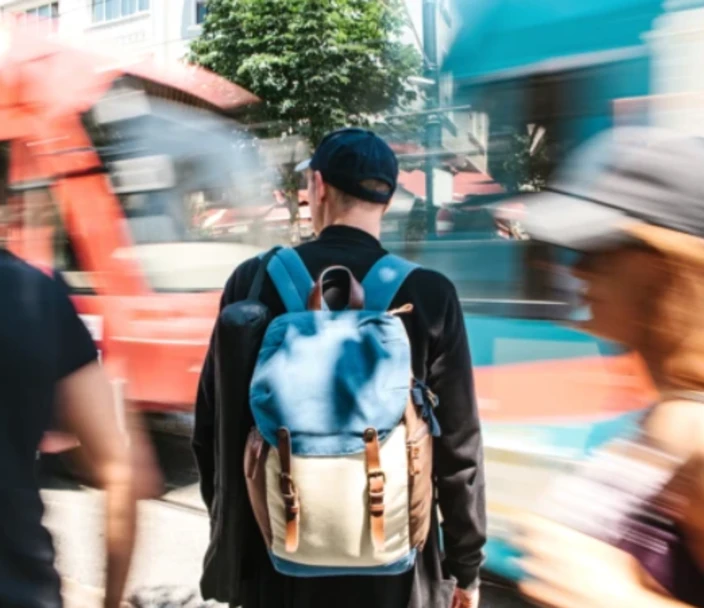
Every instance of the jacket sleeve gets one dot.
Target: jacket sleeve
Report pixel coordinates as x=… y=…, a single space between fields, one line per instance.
x=458 y=452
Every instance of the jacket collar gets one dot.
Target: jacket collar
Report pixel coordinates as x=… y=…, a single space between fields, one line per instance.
x=350 y=235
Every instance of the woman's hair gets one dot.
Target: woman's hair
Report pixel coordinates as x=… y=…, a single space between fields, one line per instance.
x=673 y=320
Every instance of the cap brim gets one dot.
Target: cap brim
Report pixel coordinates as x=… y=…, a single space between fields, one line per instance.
x=303 y=165
x=565 y=221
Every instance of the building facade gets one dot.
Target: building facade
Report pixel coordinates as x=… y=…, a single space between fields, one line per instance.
x=156 y=29
x=465 y=132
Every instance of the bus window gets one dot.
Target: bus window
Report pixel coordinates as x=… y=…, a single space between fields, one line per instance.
x=29 y=232
x=184 y=178
x=79 y=279
x=34 y=228
x=44 y=236
x=497 y=271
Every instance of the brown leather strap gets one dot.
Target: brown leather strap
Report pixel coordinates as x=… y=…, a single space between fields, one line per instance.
x=288 y=492
x=376 y=480
x=356 y=295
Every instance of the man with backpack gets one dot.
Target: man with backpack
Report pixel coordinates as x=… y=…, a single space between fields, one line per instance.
x=336 y=412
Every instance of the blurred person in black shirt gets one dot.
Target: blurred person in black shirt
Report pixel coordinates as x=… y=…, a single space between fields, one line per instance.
x=49 y=370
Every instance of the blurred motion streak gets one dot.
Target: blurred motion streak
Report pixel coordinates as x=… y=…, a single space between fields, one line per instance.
x=145 y=189
x=548 y=75
x=106 y=165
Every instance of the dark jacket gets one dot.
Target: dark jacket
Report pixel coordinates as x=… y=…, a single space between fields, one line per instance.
x=237 y=568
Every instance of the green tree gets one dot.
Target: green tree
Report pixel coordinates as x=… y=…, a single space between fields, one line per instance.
x=316 y=64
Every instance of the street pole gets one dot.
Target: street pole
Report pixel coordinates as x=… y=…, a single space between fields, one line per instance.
x=433 y=128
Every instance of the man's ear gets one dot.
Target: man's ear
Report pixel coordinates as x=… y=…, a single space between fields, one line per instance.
x=386 y=208
x=320 y=187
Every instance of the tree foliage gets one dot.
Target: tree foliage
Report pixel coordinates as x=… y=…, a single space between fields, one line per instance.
x=316 y=64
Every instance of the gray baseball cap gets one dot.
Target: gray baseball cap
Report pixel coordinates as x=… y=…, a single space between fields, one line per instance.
x=622 y=176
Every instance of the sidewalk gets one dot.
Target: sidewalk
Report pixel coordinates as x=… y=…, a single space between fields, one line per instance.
x=77 y=595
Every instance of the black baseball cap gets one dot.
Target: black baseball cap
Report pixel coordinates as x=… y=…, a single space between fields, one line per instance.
x=620 y=178
x=347 y=157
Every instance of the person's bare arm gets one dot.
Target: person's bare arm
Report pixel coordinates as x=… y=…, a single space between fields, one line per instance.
x=650 y=599
x=564 y=568
x=85 y=403
x=678 y=427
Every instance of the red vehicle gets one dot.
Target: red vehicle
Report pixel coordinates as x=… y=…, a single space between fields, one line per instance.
x=107 y=167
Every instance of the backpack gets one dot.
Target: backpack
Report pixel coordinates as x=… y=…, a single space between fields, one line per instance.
x=338 y=464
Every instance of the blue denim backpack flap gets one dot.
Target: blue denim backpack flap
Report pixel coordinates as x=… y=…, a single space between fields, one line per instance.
x=327 y=376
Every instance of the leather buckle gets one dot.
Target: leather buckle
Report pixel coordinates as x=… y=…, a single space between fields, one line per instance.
x=375 y=474
x=290 y=495
x=288 y=488
x=376 y=509
x=376 y=491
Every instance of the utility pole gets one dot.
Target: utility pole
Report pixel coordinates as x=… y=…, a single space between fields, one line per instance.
x=433 y=125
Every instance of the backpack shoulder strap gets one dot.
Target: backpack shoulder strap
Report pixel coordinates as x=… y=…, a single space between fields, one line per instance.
x=255 y=289
x=383 y=281
x=291 y=279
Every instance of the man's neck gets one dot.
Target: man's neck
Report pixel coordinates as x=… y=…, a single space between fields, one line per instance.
x=370 y=225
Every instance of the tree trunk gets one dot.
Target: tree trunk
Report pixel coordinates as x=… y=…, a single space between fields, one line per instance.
x=295 y=217
x=290 y=181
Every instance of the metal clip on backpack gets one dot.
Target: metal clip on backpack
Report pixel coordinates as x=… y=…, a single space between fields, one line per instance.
x=339 y=463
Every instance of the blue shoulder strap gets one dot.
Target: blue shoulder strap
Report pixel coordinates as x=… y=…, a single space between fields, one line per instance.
x=384 y=280
x=291 y=278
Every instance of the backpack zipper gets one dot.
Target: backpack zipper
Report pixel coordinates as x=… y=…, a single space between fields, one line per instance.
x=401 y=310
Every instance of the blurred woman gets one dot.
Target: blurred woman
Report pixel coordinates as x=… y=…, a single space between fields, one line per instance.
x=633 y=203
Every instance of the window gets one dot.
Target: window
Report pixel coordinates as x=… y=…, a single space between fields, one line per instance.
x=201 y=10
x=108 y=10
x=44 y=11
x=80 y=280
x=39 y=234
